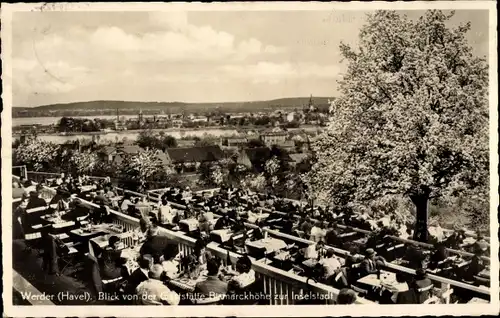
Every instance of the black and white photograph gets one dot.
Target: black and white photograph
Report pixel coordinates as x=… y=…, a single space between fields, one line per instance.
x=261 y=159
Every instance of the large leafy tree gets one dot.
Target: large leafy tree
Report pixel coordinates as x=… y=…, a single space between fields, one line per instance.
x=143 y=166
x=412 y=118
x=85 y=162
x=37 y=154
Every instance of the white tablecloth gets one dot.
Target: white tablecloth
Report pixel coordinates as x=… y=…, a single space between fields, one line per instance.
x=269 y=244
x=224 y=234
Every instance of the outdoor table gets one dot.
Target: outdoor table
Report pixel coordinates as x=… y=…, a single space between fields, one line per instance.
x=387 y=280
x=269 y=245
x=485 y=273
x=310 y=262
x=131 y=248
x=188 y=284
x=87 y=188
x=52 y=218
x=191 y=224
x=477 y=300
x=283 y=256
x=254 y=217
x=95 y=230
x=222 y=235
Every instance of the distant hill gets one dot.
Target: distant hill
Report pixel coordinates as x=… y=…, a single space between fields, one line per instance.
x=170 y=107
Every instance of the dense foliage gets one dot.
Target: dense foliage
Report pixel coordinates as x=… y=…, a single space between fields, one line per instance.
x=412 y=119
x=147 y=139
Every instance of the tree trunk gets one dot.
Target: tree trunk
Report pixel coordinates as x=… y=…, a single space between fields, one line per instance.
x=422 y=209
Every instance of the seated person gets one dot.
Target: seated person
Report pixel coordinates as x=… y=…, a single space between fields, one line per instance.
x=154 y=292
x=141 y=274
x=166 y=214
x=98 y=215
x=408 y=297
x=126 y=203
x=244 y=274
x=317 y=232
x=423 y=285
x=372 y=263
x=287 y=225
x=108 y=192
x=306 y=226
x=393 y=291
x=414 y=255
x=212 y=285
x=60 y=179
x=475 y=267
x=481 y=246
x=346 y=296
x=331 y=235
x=59 y=195
x=222 y=222
x=204 y=222
x=455 y=239
x=111 y=262
x=330 y=264
x=238 y=225
x=35 y=201
x=439 y=256
x=101 y=198
x=170 y=261
x=144 y=224
x=200 y=254
x=133 y=210
x=155 y=243
x=64 y=203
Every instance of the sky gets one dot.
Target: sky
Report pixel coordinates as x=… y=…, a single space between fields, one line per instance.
x=62 y=57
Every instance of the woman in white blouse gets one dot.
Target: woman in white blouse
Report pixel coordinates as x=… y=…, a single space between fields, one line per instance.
x=244 y=274
x=170 y=261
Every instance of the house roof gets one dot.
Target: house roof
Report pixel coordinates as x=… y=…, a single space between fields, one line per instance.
x=108 y=150
x=195 y=154
x=287 y=143
x=163 y=157
x=237 y=139
x=132 y=149
x=274 y=133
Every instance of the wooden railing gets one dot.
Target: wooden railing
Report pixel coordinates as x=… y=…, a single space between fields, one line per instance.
x=276 y=282
x=442 y=282
x=22 y=286
x=395 y=238
x=278 y=278
x=156 y=195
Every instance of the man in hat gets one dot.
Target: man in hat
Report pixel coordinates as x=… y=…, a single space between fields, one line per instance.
x=481 y=246
x=155 y=243
x=35 y=201
x=456 y=239
x=372 y=263
x=423 y=285
x=154 y=292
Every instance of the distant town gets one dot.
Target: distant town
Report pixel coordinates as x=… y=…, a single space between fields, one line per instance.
x=308 y=114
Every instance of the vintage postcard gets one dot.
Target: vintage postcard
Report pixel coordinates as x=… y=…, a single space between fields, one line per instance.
x=250 y=159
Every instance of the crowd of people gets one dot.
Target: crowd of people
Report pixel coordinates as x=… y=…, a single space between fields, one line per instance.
x=160 y=261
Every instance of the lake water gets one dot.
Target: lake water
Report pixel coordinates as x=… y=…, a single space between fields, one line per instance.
x=124 y=136
x=54 y=120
